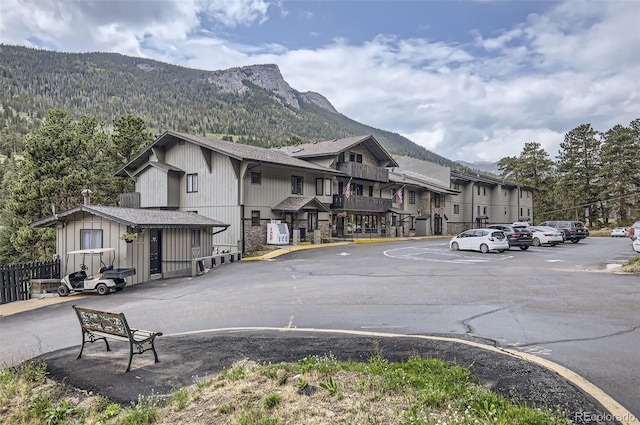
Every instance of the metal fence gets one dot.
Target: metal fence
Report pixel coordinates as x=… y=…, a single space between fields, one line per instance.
x=15 y=279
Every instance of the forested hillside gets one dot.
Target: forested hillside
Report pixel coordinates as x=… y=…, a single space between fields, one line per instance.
x=167 y=97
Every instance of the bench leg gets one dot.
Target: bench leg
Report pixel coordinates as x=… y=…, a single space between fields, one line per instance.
x=130 y=357
x=92 y=339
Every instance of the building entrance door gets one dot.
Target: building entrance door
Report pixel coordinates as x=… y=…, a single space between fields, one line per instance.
x=437 y=225
x=155 y=251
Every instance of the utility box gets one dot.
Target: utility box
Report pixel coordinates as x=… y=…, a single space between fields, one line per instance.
x=277 y=233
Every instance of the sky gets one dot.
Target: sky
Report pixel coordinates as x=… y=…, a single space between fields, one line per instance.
x=469 y=80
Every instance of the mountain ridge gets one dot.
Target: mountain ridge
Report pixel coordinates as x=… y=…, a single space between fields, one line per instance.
x=251 y=104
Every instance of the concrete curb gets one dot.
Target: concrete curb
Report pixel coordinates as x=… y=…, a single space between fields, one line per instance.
x=617 y=411
x=287 y=249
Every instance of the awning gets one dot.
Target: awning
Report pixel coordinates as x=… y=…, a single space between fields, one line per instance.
x=400 y=211
x=297 y=203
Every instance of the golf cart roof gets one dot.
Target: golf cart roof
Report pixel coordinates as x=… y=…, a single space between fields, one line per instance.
x=91 y=251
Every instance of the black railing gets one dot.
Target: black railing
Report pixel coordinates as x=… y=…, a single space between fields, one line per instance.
x=15 y=279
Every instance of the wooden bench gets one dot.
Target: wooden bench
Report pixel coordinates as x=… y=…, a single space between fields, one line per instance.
x=99 y=325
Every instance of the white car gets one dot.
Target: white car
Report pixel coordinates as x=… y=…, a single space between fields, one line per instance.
x=543 y=235
x=483 y=240
x=636 y=245
x=619 y=232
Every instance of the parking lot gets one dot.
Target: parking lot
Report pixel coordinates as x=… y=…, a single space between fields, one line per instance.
x=556 y=302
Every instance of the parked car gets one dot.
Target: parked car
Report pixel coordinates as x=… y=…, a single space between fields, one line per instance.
x=483 y=240
x=574 y=231
x=619 y=232
x=634 y=230
x=543 y=235
x=519 y=236
x=636 y=244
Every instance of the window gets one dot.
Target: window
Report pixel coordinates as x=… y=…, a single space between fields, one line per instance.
x=528 y=212
x=484 y=210
x=355 y=157
x=359 y=190
x=478 y=211
x=456 y=186
x=505 y=193
x=436 y=200
x=527 y=193
x=256 y=177
x=520 y=212
x=370 y=191
x=319 y=186
x=341 y=157
x=484 y=190
x=195 y=238
x=255 y=218
x=192 y=183
x=296 y=185
x=327 y=187
x=456 y=209
x=90 y=239
x=478 y=189
x=412 y=196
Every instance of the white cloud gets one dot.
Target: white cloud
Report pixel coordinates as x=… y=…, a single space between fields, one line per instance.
x=575 y=63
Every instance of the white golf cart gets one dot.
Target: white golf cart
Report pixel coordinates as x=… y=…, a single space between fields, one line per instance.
x=105 y=281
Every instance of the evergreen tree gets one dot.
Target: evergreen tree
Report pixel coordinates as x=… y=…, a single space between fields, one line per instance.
x=55 y=169
x=533 y=168
x=578 y=168
x=129 y=138
x=620 y=174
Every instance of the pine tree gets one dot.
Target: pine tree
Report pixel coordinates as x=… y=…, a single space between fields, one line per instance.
x=578 y=167
x=533 y=168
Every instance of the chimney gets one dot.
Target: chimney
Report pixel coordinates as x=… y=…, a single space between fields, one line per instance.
x=87 y=196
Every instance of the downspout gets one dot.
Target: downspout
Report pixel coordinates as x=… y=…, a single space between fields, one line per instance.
x=473 y=207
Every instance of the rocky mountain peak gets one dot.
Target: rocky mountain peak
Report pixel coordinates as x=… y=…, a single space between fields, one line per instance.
x=268 y=77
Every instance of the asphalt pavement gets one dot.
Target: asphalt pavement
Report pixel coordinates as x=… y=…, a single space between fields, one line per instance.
x=198 y=355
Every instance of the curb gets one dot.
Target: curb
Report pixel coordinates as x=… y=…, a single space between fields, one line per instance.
x=286 y=250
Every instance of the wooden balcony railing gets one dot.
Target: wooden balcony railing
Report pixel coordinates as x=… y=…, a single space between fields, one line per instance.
x=363 y=171
x=361 y=203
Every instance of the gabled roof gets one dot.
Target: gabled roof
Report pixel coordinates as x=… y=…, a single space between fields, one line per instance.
x=237 y=151
x=336 y=146
x=457 y=175
x=296 y=203
x=420 y=180
x=135 y=217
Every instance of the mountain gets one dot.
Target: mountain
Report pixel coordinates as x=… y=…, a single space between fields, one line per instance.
x=483 y=166
x=252 y=104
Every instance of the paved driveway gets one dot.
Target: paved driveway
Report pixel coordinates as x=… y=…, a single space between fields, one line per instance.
x=554 y=302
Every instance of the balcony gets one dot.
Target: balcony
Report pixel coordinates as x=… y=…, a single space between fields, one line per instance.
x=361 y=203
x=364 y=172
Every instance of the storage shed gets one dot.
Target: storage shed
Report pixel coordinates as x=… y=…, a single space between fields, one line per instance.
x=157 y=243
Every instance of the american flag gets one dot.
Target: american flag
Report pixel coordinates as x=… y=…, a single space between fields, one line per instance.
x=399 y=194
x=347 y=193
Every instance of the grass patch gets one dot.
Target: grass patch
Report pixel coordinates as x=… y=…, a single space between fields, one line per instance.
x=315 y=390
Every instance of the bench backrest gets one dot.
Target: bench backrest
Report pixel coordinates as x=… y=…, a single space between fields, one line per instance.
x=103 y=321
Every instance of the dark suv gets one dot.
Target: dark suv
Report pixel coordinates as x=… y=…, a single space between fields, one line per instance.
x=516 y=235
x=574 y=231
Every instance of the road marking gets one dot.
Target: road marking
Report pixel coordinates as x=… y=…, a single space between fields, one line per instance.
x=555 y=261
x=444 y=256
x=344 y=253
